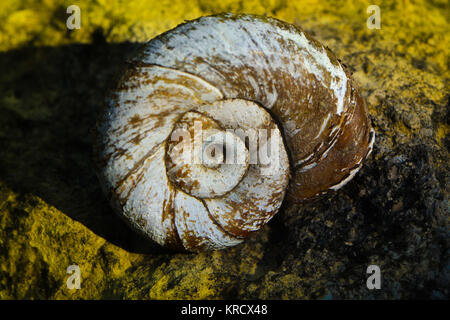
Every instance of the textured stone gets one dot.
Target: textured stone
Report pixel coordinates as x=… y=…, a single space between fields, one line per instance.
x=53 y=214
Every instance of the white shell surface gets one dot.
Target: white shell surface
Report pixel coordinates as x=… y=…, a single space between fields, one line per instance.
x=220 y=205
x=244 y=58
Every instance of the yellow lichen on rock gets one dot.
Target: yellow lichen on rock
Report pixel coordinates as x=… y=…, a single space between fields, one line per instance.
x=41 y=243
x=192 y=286
x=401 y=68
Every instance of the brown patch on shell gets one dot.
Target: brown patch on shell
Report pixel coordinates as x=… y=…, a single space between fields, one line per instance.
x=348 y=152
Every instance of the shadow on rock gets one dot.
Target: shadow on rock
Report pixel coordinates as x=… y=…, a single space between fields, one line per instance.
x=49 y=101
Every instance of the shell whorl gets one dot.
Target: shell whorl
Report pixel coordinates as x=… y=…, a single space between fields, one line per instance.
x=224 y=75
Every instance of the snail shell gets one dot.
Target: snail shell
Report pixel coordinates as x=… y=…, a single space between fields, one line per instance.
x=209 y=80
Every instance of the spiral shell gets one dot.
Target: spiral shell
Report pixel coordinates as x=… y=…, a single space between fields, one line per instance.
x=219 y=82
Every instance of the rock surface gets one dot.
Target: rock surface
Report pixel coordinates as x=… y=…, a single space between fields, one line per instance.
x=394 y=213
